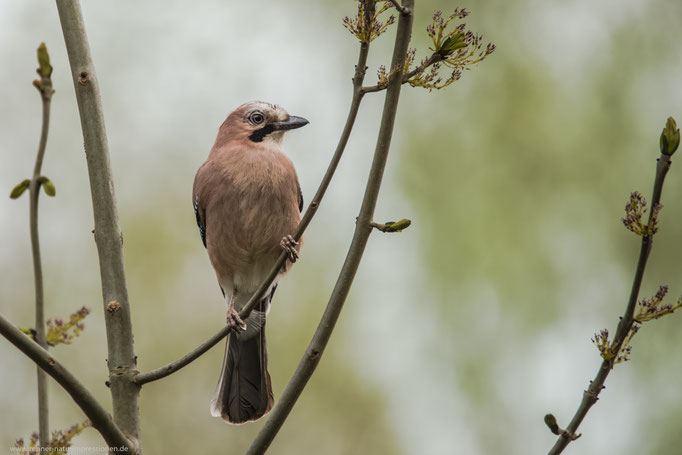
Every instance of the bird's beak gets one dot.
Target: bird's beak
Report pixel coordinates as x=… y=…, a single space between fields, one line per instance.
x=291 y=123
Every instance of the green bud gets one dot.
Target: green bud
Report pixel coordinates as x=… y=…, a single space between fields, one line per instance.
x=398 y=225
x=30 y=332
x=550 y=421
x=670 y=137
x=48 y=186
x=451 y=44
x=45 y=68
x=19 y=189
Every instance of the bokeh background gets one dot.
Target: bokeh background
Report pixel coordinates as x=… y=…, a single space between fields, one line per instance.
x=462 y=331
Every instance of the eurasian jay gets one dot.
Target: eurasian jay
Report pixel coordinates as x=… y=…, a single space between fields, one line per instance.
x=248 y=202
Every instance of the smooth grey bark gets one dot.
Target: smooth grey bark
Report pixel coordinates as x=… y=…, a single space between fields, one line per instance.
x=45 y=89
x=121 y=357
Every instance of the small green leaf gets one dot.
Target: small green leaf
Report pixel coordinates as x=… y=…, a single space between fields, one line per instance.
x=19 y=189
x=451 y=44
x=48 y=186
x=45 y=68
x=398 y=225
x=670 y=137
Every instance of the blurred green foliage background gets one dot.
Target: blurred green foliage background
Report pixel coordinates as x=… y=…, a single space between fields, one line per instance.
x=462 y=331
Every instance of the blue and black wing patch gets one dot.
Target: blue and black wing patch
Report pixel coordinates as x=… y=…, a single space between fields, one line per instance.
x=201 y=221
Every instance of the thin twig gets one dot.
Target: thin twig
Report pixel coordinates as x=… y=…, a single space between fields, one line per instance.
x=358 y=78
x=313 y=353
x=100 y=418
x=44 y=86
x=591 y=395
x=310 y=212
x=435 y=58
x=121 y=356
x=172 y=367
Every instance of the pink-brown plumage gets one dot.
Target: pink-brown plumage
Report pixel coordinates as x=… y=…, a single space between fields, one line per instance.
x=247 y=198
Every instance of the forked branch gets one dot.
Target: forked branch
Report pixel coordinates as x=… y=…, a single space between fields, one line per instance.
x=100 y=418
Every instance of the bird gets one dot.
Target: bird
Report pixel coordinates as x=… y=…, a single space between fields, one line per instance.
x=248 y=201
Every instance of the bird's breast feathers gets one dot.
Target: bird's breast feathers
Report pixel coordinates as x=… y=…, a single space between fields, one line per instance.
x=252 y=197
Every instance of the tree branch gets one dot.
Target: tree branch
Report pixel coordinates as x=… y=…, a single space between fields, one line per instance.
x=44 y=86
x=100 y=418
x=591 y=395
x=310 y=212
x=122 y=360
x=143 y=378
x=313 y=353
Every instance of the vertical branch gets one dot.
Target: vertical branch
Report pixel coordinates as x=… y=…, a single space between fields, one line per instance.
x=363 y=228
x=44 y=86
x=121 y=356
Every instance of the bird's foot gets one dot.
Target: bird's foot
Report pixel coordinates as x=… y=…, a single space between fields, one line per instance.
x=288 y=244
x=234 y=321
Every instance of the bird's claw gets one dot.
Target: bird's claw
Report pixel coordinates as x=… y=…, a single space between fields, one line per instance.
x=288 y=244
x=234 y=321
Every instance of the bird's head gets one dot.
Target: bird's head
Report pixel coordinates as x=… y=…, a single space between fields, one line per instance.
x=257 y=121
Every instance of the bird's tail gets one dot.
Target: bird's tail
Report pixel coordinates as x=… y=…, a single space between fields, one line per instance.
x=244 y=392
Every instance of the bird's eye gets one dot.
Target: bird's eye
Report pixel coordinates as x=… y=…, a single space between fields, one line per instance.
x=256 y=118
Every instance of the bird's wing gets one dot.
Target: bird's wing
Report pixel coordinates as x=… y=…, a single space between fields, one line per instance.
x=200 y=214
